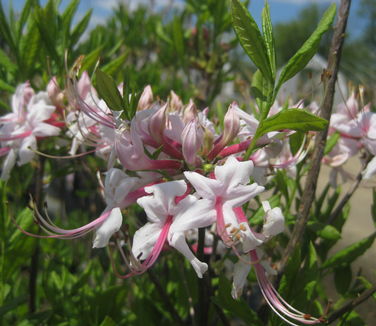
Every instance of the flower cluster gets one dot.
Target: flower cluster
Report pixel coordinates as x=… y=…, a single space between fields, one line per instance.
x=183 y=169
x=355 y=126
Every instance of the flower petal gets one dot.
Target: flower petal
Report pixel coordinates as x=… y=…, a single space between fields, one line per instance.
x=111 y=225
x=241 y=271
x=205 y=187
x=144 y=240
x=177 y=240
x=198 y=214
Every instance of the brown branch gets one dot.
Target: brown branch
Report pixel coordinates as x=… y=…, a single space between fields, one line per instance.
x=326 y=111
x=350 y=192
x=351 y=305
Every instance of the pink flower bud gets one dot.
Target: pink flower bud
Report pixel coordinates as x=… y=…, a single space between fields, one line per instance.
x=84 y=85
x=231 y=124
x=54 y=92
x=146 y=99
x=27 y=94
x=175 y=102
x=157 y=124
x=190 y=112
x=192 y=138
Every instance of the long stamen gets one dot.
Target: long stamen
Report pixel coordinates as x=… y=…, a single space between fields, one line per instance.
x=274 y=299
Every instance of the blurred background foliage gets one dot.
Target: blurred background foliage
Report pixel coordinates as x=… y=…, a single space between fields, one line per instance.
x=193 y=51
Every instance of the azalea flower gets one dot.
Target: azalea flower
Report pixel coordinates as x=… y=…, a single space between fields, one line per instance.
x=226 y=191
x=169 y=217
x=20 y=129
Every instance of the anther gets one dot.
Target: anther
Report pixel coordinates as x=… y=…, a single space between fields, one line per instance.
x=242 y=227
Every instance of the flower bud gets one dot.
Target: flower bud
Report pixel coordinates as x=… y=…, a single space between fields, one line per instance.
x=146 y=99
x=231 y=124
x=190 y=112
x=175 y=102
x=192 y=137
x=157 y=124
x=54 y=93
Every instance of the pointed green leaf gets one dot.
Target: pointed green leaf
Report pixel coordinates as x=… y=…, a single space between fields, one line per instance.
x=267 y=30
x=29 y=48
x=4 y=86
x=350 y=253
x=250 y=38
x=331 y=142
x=329 y=233
x=24 y=16
x=296 y=141
x=114 y=65
x=292 y=119
x=80 y=28
x=342 y=278
x=262 y=89
x=309 y=48
x=5 y=31
x=108 y=91
x=238 y=308
x=6 y=62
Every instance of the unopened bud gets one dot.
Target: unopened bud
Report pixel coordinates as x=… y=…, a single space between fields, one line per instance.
x=175 y=102
x=190 y=112
x=146 y=99
x=192 y=137
x=157 y=124
x=54 y=93
x=231 y=124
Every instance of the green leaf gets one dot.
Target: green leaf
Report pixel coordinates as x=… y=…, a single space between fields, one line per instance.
x=293 y=119
x=6 y=87
x=6 y=62
x=66 y=18
x=267 y=30
x=5 y=29
x=331 y=142
x=238 y=308
x=108 y=91
x=309 y=48
x=350 y=253
x=296 y=141
x=107 y=321
x=45 y=20
x=262 y=89
x=114 y=65
x=24 y=16
x=342 y=278
x=329 y=233
x=373 y=206
x=80 y=28
x=178 y=38
x=29 y=48
x=91 y=59
x=367 y=284
x=250 y=38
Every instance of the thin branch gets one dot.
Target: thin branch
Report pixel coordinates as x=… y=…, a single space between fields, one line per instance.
x=165 y=298
x=204 y=285
x=349 y=193
x=326 y=111
x=351 y=305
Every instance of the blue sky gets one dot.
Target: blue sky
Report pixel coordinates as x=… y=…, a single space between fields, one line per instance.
x=281 y=10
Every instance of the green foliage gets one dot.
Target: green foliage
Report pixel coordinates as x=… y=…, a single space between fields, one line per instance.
x=108 y=91
x=293 y=119
x=251 y=39
x=308 y=49
x=350 y=253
